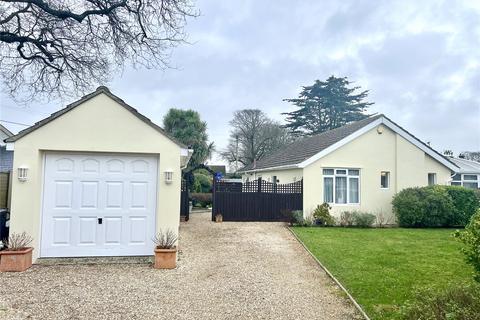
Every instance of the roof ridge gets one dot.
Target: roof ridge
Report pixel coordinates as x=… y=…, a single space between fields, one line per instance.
x=101 y=89
x=310 y=138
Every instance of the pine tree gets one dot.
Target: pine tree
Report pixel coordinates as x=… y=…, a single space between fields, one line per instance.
x=326 y=105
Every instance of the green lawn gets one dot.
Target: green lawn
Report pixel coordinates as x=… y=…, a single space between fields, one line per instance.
x=382 y=268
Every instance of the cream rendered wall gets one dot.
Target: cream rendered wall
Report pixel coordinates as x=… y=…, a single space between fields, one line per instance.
x=98 y=125
x=372 y=153
x=285 y=176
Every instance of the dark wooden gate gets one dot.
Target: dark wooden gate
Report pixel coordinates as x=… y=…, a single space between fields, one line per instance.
x=256 y=201
x=184 y=202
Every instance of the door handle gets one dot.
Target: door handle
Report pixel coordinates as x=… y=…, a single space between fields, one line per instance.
x=100 y=220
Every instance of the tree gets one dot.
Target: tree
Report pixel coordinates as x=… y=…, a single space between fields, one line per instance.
x=187 y=127
x=69 y=46
x=253 y=136
x=326 y=105
x=470 y=155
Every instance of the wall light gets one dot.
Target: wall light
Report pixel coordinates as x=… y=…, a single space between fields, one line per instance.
x=168 y=176
x=22 y=173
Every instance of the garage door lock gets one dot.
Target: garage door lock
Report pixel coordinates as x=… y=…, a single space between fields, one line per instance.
x=100 y=220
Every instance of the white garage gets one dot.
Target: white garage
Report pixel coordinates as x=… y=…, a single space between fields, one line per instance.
x=96 y=178
x=98 y=205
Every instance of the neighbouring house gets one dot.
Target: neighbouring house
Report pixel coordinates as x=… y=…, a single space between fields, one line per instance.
x=96 y=178
x=6 y=163
x=359 y=166
x=468 y=174
x=219 y=168
x=6 y=156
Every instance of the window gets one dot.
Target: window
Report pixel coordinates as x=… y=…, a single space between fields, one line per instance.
x=432 y=179
x=341 y=186
x=471 y=181
x=384 y=179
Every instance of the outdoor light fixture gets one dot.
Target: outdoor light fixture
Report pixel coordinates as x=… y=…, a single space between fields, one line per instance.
x=22 y=173
x=168 y=176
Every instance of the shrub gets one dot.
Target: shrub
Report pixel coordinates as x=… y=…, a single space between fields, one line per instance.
x=357 y=219
x=364 y=219
x=321 y=215
x=471 y=238
x=465 y=202
x=201 y=199
x=458 y=302
x=434 y=206
x=165 y=239
x=382 y=219
x=17 y=241
x=202 y=183
x=347 y=218
x=294 y=217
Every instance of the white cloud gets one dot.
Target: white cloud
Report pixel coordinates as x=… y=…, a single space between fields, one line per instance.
x=419 y=59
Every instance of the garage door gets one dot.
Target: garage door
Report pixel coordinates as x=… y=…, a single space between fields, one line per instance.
x=98 y=205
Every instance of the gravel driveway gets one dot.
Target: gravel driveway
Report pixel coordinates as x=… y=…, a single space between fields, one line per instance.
x=225 y=271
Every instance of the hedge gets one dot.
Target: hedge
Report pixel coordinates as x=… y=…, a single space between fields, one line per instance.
x=435 y=206
x=201 y=199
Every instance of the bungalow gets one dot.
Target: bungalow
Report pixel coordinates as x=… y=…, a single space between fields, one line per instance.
x=359 y=166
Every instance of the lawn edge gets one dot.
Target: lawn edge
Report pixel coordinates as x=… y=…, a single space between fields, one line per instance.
x=338 y=283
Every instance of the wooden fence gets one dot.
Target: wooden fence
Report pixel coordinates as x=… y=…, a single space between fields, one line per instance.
x=4 y=186
x=184 y=202
x=256 y=201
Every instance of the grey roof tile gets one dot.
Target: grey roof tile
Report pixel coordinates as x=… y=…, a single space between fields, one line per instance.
x=305 y=148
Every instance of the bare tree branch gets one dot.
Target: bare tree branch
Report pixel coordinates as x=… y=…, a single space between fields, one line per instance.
x=66 y=47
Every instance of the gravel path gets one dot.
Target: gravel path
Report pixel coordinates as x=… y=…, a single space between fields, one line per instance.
x=225 y=271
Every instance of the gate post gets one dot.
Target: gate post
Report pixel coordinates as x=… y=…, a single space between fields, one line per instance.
x=259 y=185
x=214 y=188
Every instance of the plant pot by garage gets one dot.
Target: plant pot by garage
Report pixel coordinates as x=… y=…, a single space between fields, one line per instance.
x=15 y=260
x=165 y=258
x=165 y=249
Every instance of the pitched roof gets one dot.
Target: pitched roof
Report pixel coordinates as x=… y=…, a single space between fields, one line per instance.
x=7 y=132
x=311 y=147
x=71 y=106
x=466 y=166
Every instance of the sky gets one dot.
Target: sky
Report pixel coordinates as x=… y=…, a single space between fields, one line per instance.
x=420 y=60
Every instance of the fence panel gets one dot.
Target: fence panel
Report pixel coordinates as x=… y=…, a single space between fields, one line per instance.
x=256 y=201
x=4 y=185
x=184 y=203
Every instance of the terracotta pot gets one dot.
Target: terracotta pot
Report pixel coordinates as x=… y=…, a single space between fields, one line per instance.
x=165 y=258
x=218 y=218
x=15 y=261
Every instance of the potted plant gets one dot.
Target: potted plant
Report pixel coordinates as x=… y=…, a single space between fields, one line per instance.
x=17 y=254
x=218 y=217
x=165 y=250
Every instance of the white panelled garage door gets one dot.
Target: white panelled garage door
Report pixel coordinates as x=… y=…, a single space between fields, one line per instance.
x=98 y=205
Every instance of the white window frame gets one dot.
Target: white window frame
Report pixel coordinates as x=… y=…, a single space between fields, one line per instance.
x=388 y=180
x=462 y=180
x=348 y=176
x=434 y=178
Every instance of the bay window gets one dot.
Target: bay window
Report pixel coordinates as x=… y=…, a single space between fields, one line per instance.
x=341 y=186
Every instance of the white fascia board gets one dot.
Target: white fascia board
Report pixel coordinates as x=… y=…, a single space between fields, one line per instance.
x=10 y=146
x=185 y=155
x=419 y=144
x=186 y=152
x=290 y=166
x=340 y=143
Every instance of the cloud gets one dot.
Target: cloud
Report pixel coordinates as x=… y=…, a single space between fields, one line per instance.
x=419 y=59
